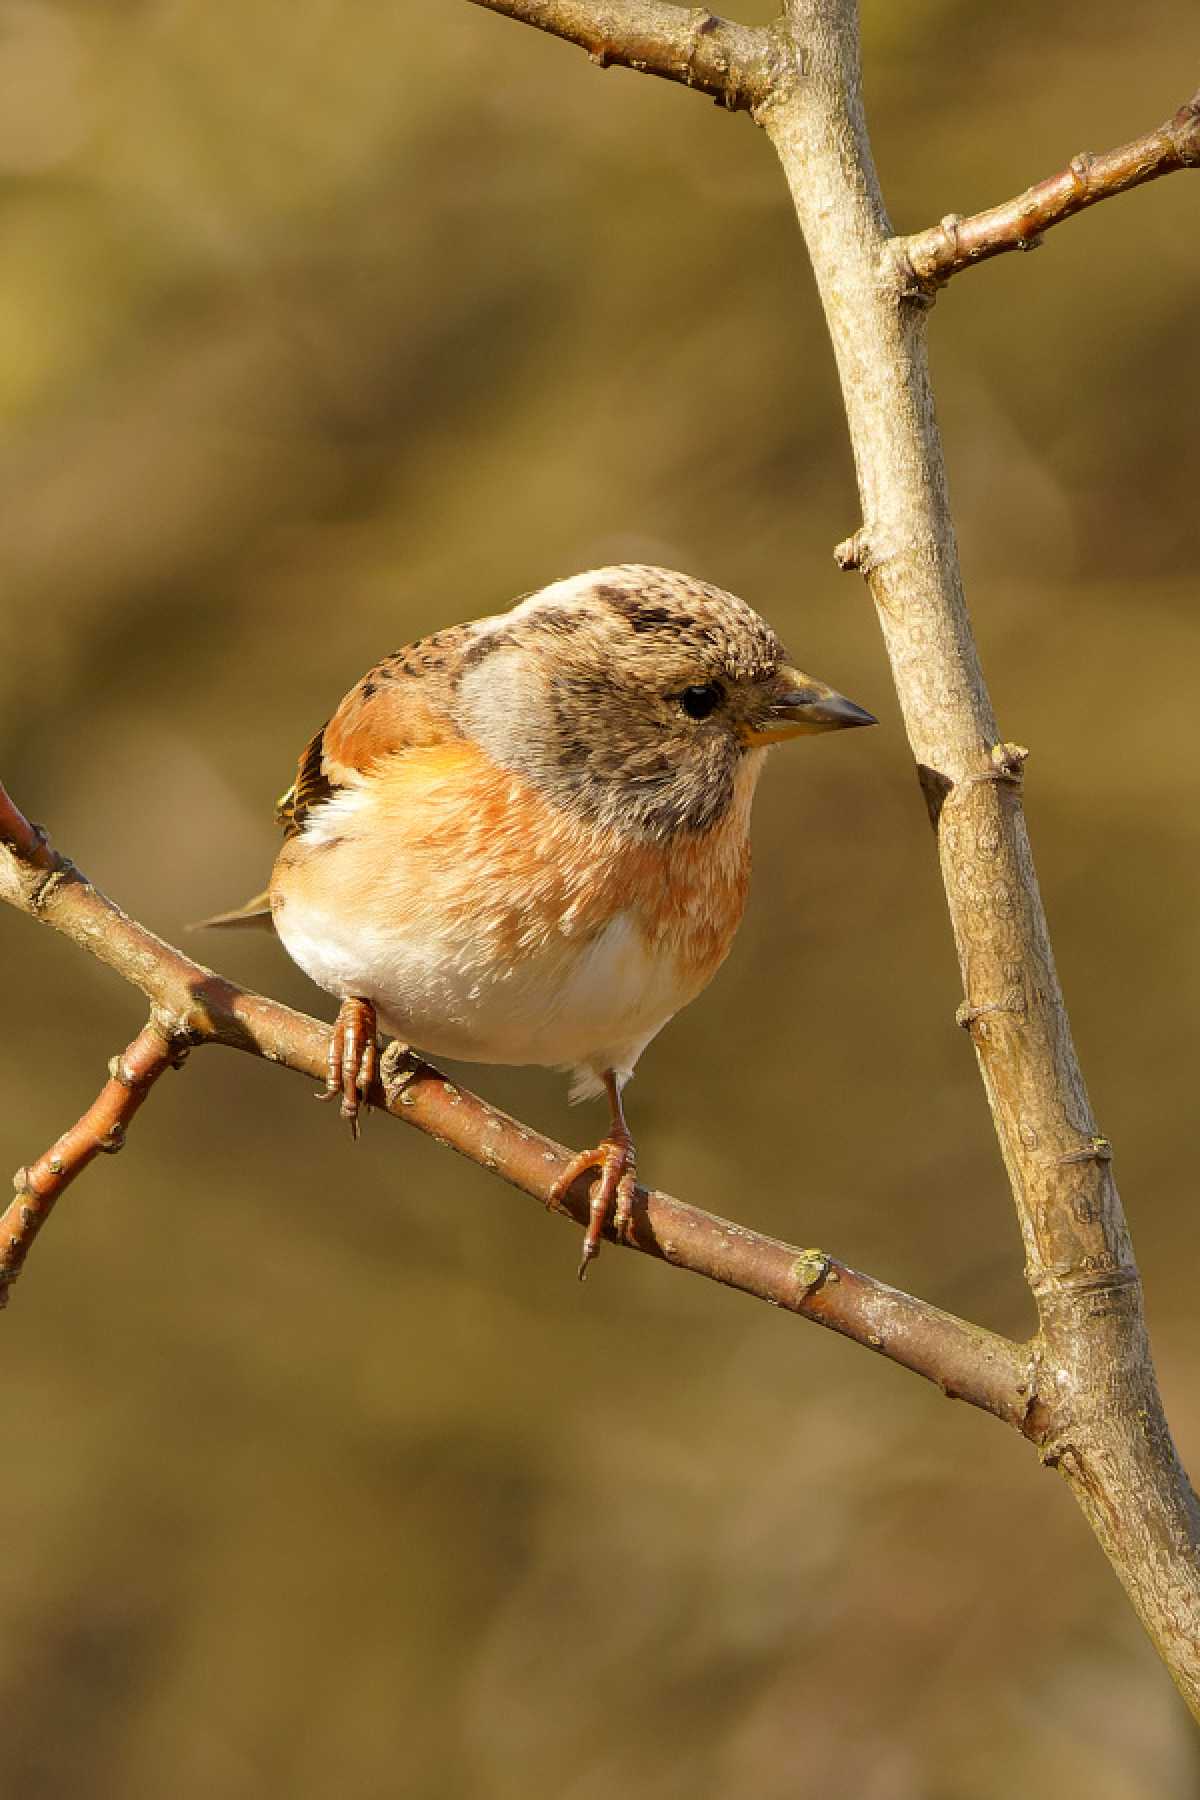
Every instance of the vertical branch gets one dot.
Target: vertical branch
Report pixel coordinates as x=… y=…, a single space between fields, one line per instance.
x=1097 y=1413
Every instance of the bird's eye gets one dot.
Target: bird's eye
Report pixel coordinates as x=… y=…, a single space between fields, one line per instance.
x=698 y=702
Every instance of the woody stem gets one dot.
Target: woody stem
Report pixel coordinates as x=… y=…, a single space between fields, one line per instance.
x=195 y=1006
x=1096 y=1411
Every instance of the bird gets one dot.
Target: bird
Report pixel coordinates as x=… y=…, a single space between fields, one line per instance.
x=525 y=839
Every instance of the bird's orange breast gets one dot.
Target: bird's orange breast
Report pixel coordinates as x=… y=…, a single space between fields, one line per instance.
x=440 y=833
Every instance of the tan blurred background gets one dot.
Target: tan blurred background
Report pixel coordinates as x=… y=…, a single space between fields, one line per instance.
x=321 y=327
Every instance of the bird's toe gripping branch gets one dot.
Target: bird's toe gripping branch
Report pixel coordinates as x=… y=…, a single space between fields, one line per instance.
x=611 y=1199
x=353 y=1061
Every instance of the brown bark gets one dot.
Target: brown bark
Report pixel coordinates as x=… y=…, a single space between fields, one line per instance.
x=736 y=64
x=1096 y=1412
x=101 y=1131
x=931 y=257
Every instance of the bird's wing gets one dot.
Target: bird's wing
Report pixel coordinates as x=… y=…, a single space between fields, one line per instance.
x=404 y=702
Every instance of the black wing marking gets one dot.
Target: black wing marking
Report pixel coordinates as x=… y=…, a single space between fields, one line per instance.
x=310 y=788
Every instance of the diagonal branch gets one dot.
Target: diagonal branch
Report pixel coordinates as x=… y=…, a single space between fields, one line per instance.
x=736 y=64
x=930 y=258
x=101 y=1131
x=194 y=1006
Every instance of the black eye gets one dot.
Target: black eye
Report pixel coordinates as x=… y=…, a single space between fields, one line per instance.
x=698 y=702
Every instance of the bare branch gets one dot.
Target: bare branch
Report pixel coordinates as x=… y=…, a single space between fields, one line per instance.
x=195 y=1006
x=736 y=64
x=931 y=257
x=101 y=1131
x=1096 y=1413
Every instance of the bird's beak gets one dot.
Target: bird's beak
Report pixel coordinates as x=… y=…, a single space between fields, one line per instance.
x=795 y=704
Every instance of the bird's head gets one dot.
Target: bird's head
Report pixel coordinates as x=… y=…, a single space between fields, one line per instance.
x=639 y=697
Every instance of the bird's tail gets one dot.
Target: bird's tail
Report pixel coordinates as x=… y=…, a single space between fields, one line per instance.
x=255 y=913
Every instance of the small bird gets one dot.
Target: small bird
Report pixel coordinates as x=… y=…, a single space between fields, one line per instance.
x=526 y=839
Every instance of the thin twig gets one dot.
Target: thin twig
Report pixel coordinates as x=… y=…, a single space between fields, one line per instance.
x=736 y=64
x=101 y=1131
x=929 y=258
x=195 y=1006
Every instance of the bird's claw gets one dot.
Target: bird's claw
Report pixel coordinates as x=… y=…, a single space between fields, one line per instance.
x=353 y=1061
x=611 y=1198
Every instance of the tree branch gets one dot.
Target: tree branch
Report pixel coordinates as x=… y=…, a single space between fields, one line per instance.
x=101 y=1131
x=1085 y=1391
x=1097 y=1413
x=930 y=258
x=194 y=1006
x=736 y=64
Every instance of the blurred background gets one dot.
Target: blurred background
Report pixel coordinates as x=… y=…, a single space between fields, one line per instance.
x=320 y=329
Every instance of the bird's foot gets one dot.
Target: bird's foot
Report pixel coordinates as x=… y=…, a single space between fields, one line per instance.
x=612 y=1195
x=353 y=1060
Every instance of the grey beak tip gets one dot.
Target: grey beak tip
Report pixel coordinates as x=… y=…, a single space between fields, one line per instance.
x=829 y=709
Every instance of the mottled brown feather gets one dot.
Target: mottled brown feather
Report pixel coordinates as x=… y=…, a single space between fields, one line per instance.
x=403 y=703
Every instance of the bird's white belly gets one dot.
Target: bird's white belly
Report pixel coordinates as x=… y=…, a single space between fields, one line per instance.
x=565 y=1003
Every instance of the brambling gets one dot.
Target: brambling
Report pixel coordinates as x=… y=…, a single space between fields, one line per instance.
x=526 y=839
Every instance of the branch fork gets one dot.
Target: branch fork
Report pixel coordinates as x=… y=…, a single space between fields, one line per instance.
x=1084 y=1390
